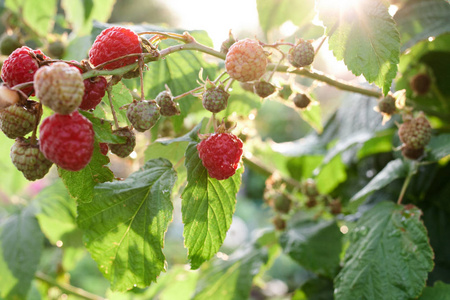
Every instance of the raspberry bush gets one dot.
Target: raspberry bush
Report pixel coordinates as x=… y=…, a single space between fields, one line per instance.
x=284 y=174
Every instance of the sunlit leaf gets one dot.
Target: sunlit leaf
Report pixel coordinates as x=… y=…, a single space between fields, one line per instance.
x=365 y=37
x=124 y=225
x=207 y=208
x=389 y=254
x=439 y=291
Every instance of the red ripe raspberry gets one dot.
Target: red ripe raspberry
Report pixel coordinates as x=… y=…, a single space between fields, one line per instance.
x=20 y=67
x=302 y=54
x=220 y=154
x=123 y=150
x=415 y=133
x=29 y=160
x=94 y=90
x=246 y=60
x=18 y=120
x=264 y=89
x=112 y=43
x=67 y=140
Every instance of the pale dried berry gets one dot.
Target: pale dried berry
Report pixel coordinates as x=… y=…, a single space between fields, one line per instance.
x=411 y=153
x=264 y=89
x=302 y=54
x=421 y=83
x=246 y=60
x=18 y=120
x=167 y=106
x=220 y=154
x=143 y=114
x=60 y=87
x=125 y=149
x=415 y=134
x=29 y=160
x=301 y=100
x=67 y=140
x=386 y=105
x=215 y=99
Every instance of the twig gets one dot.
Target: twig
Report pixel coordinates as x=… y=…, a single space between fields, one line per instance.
x=411 y=173
x=116 y=123
x=67 y=288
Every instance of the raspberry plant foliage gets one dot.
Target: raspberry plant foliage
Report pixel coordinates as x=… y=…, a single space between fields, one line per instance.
x=135 y=208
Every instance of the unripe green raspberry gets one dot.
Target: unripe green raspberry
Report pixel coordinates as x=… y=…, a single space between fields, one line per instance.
x=310 y=188
x=60 y=87
x=301 y=100
x=143 y=114
x=214 y=99
x=386 y=105
x=420 y=83
x=9 y=43
x=279 y=223
x=302 y=54
x=18 y=120
x=264 y=89
x=29 y=160
x=123 y=150
x=167 y=106
x=411 y=153
x=415 y=134
x=281 y=203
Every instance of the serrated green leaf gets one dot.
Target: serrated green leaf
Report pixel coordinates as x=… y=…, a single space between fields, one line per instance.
x=103 y=129
x=231 y=279
x=11 y=180
x=366 y=38
x=81 y=184
x=418 y=20
x=439 y=291
x=39 y=15
x=273 y=13
x=389 y=256
x=240 y=102
x=124 y=225
x=207 y=208
x=393 y=170
x=315 y=289
x=315 y=245
x=21 y=246
x=56 y=213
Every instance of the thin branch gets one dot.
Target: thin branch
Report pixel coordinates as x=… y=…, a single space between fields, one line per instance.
x=67 y=288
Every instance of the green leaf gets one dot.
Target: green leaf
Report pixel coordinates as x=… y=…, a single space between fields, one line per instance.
x=439 y=291
x=389 y=255
x=393 y=170
x=12 y=180
x=81 y=14
x=315 y=289
x=124 y=225
x=366 y=39
x=81 y=184
x=440 y=147
x=313 y=116
x=273 y=13
x=21 y=246
x=418 y=20
x=315 y=245
x=120 y=96
x=39 y=15
x=103 y=129
x=207 y=208
x=232 y=278
x=57 y=213
x=240 y=102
